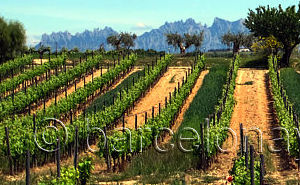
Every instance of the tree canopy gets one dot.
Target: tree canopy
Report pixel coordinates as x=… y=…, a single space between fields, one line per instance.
x=283 y=24
x=238 y=40
x=185 y=41
x=12 y=39
x=121 y=40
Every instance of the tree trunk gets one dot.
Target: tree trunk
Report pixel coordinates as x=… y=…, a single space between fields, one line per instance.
x=285 y=62
x=236 y=48
x=182 y=50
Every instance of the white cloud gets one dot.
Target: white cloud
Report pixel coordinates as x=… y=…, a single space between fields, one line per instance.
x=141 y=26
x=33 y=40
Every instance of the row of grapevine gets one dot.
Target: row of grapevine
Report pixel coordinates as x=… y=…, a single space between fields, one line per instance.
x=14 y=65
x=214 y=129
x=12 y=83
x=152 y=128
x=66 y=104
x=21 y=100
x=285 y=112
x=247 y=169
x=23 y=128
x=20 y=134
x=109 y=98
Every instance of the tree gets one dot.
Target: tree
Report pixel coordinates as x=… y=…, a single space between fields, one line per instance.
x=176 y=41
x=75 y=50
x=115 y=41
x=185 y=41
x=125 y=40
x=101 y=48
x=12 y=39
x=128 y=40
x=238 y=40
x=284 y=25
x=43 y=50
x=17 y=37
x=4 y=39
x=64 y=50
x=198 y=39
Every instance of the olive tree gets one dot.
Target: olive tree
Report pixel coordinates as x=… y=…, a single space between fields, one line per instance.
x=121 y=40
x=185 y=41
x=237 y=40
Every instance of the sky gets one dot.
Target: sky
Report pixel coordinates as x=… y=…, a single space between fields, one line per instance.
x=136 y=16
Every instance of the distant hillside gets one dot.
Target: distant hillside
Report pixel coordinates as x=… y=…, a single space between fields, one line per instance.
x=155 y=39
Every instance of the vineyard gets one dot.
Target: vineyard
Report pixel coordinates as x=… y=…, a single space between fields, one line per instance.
x=104 y=119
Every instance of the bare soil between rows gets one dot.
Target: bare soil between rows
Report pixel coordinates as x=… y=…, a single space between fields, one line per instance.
x=156 y=95
x=254 y=109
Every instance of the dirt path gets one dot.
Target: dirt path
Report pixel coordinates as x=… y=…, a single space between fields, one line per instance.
x=254 y=111
x=156 y=95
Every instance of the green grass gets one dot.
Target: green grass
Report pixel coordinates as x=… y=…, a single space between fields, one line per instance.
x=155 y=167
x=108 y=97
x=207 y=97
x=172 y=79
x=254 y=61
x=291 y=82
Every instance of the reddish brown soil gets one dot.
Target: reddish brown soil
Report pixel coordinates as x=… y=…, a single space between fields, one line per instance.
x=187 y=104
x=155 y=96
x=254 y=110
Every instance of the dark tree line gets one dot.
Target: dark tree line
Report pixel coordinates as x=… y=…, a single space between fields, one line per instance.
x=12 y=39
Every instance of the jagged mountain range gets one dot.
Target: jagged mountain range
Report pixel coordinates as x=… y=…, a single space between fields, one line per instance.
x=154 y=39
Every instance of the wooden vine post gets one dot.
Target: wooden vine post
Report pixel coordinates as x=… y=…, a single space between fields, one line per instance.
x=262 y=169
x=252 y=164
x=246 y=152
x=58 y=158
x=8 y=152
x=135 y=121
x=76 y=148
x=242 y=139
x=27 y=167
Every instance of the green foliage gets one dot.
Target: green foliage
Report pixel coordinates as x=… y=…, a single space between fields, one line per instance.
x=22 y=99
x=156 y=167
x=162 y=120
x=12 y=40
x=23 y=125
x=291 y=82
x=241 y=174
x=85 y=167
x=285 y=119
x=15 y=65
x=284 y=25
x=68 y=176
x=217 y=131
x=108 y=97
x=12 y=83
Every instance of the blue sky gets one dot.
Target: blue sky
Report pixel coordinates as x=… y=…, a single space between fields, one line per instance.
x=47 y=16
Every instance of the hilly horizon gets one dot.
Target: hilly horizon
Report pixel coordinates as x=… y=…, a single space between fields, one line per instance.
x=148 y=40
